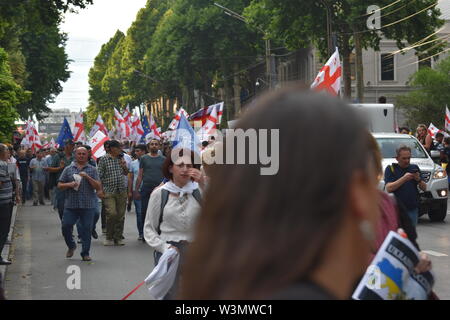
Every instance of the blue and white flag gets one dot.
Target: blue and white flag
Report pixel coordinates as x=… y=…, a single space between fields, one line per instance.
x=185 y=136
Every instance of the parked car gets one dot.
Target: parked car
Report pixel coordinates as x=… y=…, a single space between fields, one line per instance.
x=434 y=200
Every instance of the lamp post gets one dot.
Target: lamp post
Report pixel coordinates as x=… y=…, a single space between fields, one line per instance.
x=266 y=39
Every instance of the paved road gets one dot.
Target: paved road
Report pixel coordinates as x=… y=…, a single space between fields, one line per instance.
x=434 y=237
x=39 y=268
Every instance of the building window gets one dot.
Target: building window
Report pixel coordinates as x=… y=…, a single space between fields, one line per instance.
x=425 y=63
x=387 y=67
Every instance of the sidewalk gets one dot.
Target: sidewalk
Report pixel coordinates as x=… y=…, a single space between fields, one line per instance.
x=7 y=248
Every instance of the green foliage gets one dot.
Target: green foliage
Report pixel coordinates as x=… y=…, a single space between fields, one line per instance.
x=98 y=98
x=11 y=94
x=30 y=34
x=426 y=103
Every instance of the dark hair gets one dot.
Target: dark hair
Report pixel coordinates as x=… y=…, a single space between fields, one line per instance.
x=403 y=148
x=382 y=99
x=168 y=163
x=403 y=128
x=114 y=144
x=88 y=148
x=447 y=140
x=205 y=143
x=439 y=134
x=259 y=234
x=142 y=147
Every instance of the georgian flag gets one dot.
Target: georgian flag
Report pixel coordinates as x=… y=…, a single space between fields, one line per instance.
x=433 y=130
x=174 y=124
x=154 y=128
x=96 y=143
x=79 y=134
x=127 y=116
x=329 y=77
x=124 y=129
x=210 y=126
x=99 y=125
x=447 y=119
x=136 y=128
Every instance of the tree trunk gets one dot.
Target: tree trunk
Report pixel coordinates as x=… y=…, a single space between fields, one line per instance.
x=359 y=68
x=347 y=76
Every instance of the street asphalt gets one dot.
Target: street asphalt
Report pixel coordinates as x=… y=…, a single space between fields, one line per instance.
x=39 y=269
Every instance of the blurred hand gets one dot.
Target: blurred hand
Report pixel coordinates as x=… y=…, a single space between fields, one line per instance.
x=424 y=263
x=83 y=175
x=409 y=176
x=101 y=194
x=417 y=176
x=196 y=175
x=136 y=195
x=73 y=184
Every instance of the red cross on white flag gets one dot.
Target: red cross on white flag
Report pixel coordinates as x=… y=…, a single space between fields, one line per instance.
x=329 y=77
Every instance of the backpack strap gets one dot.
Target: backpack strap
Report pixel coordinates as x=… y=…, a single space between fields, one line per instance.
x=165 y=198
x=197 y=196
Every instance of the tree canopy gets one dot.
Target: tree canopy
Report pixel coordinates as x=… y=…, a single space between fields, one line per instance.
x=426 y=103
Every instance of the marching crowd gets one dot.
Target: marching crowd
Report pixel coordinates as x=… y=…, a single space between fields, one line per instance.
x=299 y=234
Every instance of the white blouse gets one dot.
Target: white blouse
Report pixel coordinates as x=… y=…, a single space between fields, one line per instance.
x=180 y=214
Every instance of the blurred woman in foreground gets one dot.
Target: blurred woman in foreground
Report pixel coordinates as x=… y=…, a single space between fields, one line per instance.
x=303 y=233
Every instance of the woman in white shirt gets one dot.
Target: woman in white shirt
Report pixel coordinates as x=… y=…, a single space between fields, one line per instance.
x=171 y=225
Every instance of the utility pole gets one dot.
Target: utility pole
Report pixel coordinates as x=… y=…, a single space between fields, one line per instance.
x=329 y=28
x=266 y=39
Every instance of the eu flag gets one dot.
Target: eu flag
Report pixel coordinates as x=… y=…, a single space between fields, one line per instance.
x=185 y=136
x=146 y=127
x=64 y=133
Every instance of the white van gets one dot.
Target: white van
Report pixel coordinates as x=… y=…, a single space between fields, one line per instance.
x=380 y=116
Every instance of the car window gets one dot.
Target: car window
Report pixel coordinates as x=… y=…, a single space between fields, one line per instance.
x=388 y=147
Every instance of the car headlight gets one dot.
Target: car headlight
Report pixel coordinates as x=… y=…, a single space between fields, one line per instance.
x=440 y=174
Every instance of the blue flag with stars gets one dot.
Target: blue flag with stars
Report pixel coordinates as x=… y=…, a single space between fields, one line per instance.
x=146 y=127
x=64 y=133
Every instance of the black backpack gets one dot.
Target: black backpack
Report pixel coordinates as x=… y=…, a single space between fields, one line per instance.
x=165 y=197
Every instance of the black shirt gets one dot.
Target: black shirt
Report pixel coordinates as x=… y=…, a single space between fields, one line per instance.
x=304 y=290
x=24 y=165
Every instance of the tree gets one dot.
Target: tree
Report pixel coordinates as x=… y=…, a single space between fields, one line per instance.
x=11 y=94
x=98 y=99
x=30 y=34
x=426 y=103
x=302 y=23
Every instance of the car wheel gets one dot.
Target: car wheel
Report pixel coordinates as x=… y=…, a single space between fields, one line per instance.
x=438 y=213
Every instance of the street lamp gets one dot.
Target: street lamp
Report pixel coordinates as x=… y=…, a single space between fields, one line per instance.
x=266 y=39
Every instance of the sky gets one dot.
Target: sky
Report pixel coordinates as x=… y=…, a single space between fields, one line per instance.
x=94 y=26
x=87 y=31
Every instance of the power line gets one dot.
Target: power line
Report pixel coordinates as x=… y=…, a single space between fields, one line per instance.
x=390 y=24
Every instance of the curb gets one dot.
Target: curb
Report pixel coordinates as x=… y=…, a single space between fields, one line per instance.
x=7 y=248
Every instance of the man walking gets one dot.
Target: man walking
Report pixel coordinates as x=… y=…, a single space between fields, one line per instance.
x=6 y=200
x=60 y=161
x=133 y=189
x=402 y=179
x=112 y=168
x=150 y=174
x=80 y=201
x=37 y=166
x=23 y=164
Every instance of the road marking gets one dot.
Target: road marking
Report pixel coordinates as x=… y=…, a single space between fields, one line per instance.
x=434 y=253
